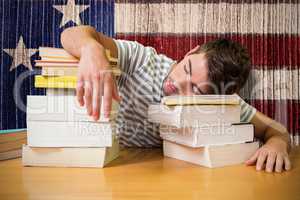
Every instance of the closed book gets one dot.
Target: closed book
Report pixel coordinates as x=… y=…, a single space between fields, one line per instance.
x=211 y=156
x=16 y=153
x=63 y=108
x=218 y=134
x=12 y=145
x=11 y=135
x=63 y=63
x=60 y=53
x=69 y=157
x=69 y=134
x=62 y=82
x=68 y=71
x=233 y=99
x=194 y=115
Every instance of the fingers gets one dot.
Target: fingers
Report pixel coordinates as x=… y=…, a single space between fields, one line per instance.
x=279 y=163
x=287 y=162
x=261 y=160
x=252 y=160
x=80 y=91
x=270 y=161
x=108 y=91
x=115 y=93
x=97 y=93
x=88 y=96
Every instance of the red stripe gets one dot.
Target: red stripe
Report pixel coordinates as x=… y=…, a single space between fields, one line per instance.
x=285 y=111
x=270 y=50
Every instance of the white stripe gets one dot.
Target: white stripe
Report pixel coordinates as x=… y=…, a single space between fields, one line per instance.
x=273 y=84
x=207 y=18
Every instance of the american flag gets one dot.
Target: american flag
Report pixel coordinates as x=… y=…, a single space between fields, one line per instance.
x=25 y=26
x=269 y=29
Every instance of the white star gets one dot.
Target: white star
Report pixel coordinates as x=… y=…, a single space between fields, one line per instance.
x=20 y=55
x=70 y=12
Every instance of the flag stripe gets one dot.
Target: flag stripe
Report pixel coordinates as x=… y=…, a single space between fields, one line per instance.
x=274 y=84
x=286 y=112
x=208 y=1
x=207 y=18
x=267 y=51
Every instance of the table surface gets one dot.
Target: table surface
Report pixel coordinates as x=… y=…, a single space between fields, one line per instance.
x=146 y=174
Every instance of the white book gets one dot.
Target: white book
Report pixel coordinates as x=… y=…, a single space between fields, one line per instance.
x=62 y=108
x=219 y=134
x=69 y=134
x=194 y=115
x=212 y=99
x=69 y=157
x=211 y=156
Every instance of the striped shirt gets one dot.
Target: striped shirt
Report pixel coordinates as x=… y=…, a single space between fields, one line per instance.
x=143 y=73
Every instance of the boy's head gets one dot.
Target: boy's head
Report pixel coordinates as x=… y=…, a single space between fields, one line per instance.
x=217 y=67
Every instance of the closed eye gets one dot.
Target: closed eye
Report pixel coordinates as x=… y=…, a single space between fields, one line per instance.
x=196 y=89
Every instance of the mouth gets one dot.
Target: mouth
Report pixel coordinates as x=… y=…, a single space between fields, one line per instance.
x=170 y=87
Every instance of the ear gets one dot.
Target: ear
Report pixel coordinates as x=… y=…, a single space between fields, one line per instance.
x=192 y=51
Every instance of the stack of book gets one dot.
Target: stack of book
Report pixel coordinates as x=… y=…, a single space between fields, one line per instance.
x=204 y=130
x=59 y=69
x=59 y=132
x=11 y=142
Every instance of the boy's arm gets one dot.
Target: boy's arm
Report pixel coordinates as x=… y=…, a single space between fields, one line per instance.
x=95 y=78
x=274 y=153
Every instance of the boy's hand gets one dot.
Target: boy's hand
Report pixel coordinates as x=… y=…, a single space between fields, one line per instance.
x=95 y=80
x=271 y=156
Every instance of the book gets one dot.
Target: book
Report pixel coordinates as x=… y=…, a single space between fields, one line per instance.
x=11 y=154
x=62 y=82
x=12 y=145
x=60 y=53
x=219 y=134
x=69 y=134
x=11 y=135
x=68 y=71
x=63 y=108
x=211 y=156
x=11 y=142
x=193 y=115
x=233 y=99
x=63 y=63
x=70 y=157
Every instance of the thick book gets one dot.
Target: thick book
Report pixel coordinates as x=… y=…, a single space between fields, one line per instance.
x=63 y=108
x=233 y=99
x=11 y=142
x=11 y=154
x=60 y=53
x=68 y=71
x=11 y=135
x=70 y=157
x=194 y=115
x=211 y=156
x=62 y=82
x=209 y=135
x=69 y=134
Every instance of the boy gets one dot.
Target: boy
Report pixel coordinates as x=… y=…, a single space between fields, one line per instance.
x=220 y=67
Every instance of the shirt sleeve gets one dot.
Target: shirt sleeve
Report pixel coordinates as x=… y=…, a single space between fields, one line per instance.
x=131 y=55
x=247 y=111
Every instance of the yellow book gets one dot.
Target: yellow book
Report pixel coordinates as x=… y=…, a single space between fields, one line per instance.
x=201 y=99
x=68 y=82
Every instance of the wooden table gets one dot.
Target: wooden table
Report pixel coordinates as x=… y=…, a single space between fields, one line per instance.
x=146 y=174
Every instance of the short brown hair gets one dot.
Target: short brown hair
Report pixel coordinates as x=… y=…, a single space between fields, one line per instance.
x=228 y=65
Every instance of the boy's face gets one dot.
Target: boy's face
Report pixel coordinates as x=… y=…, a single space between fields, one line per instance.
x=188 y=77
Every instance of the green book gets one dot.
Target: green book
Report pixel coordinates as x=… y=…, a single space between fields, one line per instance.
x=12 y=131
